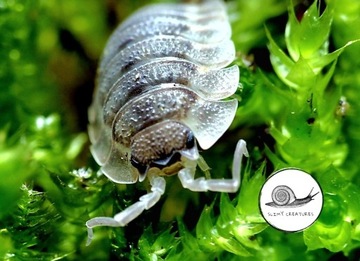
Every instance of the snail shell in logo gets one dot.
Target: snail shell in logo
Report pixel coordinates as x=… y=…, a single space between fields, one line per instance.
x=160 y=92
x=284 y=197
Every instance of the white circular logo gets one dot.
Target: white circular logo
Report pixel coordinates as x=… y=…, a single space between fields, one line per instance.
x=291 y=200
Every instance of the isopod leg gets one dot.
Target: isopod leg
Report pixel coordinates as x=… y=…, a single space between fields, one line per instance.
x=123 y=218
x=187 y=174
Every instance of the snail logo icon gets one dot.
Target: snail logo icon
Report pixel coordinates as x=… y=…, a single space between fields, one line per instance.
x=284 y=197
x=290 y=200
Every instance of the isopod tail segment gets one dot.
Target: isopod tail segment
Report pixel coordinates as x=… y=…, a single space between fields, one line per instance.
x=186 y=176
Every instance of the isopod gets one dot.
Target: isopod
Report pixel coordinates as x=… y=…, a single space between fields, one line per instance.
x=161 y=85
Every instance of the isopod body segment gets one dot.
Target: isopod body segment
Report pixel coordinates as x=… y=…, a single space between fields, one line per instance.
x=160 y=91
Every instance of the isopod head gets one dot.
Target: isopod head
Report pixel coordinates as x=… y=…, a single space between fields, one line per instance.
x=158 y=144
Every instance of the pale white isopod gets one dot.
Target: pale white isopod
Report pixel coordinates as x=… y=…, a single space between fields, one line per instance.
x=160 y=93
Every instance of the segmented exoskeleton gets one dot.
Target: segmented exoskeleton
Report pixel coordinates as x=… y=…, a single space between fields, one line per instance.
x=160 y=89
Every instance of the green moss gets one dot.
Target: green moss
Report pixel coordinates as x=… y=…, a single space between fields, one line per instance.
x=298 y=107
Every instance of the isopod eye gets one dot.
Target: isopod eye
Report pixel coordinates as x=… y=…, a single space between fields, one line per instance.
x=140 y=167
x=190 y=142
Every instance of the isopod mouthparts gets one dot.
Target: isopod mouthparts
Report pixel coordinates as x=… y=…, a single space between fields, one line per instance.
x=284 y=197
x=160 y=91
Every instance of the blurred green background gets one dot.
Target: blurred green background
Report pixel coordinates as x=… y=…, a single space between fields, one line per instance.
x=299 y=93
